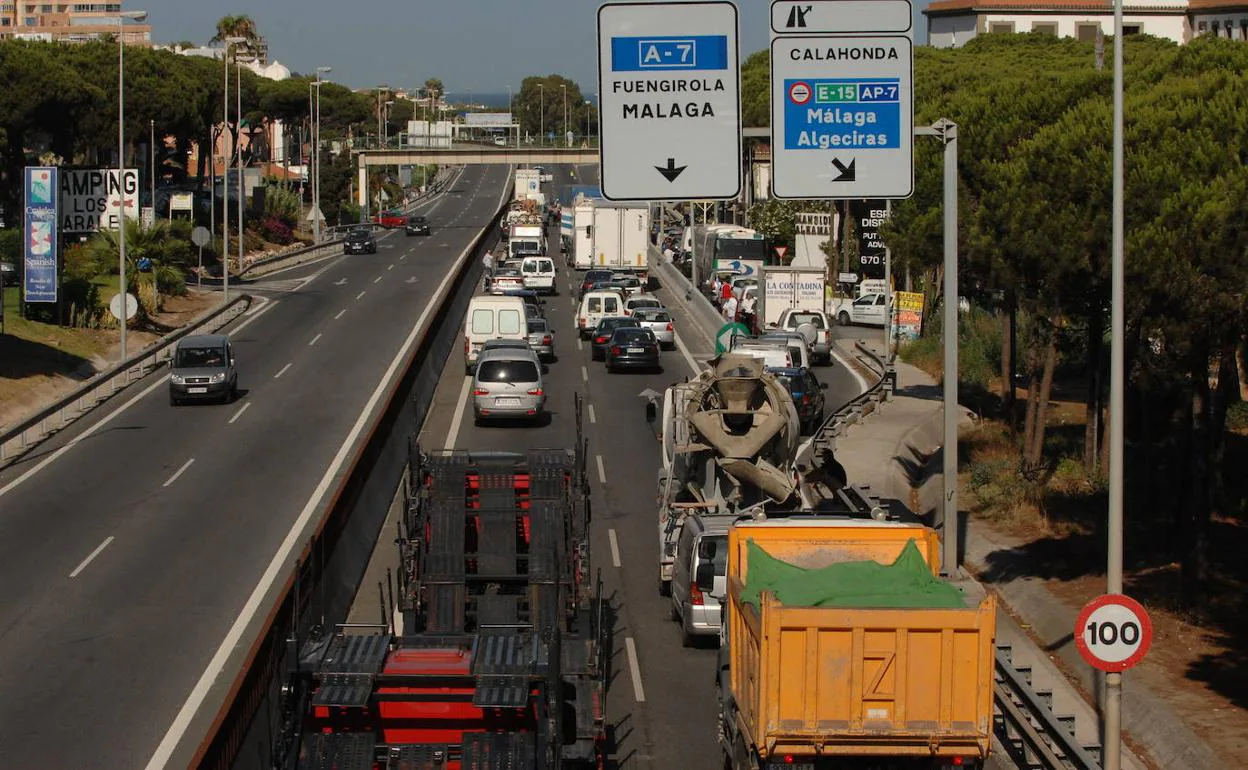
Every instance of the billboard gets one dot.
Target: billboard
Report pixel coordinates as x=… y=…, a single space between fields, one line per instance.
x=909 y=314
x=868 y=216
x=91 y=198
x=39 y=235
x=487 y=119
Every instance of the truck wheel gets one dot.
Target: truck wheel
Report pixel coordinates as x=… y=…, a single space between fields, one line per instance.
x=665 y=588
x=843 y=319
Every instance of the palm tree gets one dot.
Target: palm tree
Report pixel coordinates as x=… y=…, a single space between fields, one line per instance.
x=237 y=26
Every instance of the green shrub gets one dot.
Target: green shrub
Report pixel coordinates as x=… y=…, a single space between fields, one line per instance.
x=985 y=472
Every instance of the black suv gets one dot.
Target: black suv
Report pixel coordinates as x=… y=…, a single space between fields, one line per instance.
x=416 y=225
x=359 y=240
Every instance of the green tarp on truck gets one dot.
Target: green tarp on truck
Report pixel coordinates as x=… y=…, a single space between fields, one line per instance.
x=907 y=582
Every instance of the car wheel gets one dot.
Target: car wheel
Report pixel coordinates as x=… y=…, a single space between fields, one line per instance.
x=673 y=614
x=686 y=638
x=468 y=370
x=843 y=319
x=665 y=588
x=174 y=400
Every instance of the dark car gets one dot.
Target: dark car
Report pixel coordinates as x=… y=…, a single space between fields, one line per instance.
x=592 y=277
x=807 y=393
x=359 y=241
x=603 y=331
x=8 y=274
x=416 y=225
x=632 y=349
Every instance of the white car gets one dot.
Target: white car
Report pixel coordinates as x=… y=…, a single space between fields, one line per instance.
x=659 y=321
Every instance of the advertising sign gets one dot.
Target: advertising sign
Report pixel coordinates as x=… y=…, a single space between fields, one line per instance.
x=39 y=235
x=92 y=198
x=868 y=216
x=909 y=314
x=488 y=119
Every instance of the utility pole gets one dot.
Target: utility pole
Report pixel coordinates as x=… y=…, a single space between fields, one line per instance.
x=151 y=127
x=541 y=115
x=316 y=156
x=238 y=94
x=229 y=42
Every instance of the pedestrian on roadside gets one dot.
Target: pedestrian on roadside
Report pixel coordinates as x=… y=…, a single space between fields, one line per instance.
x=727 y=291
x=747 y=312
x=716 y=287
x=730 y=309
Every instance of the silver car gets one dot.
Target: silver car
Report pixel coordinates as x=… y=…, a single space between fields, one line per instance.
x=659 y=321
x=203 y=369
x=542 y=339
x=508 y=384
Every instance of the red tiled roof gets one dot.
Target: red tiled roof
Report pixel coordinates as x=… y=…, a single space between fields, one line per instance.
x=1216 y=5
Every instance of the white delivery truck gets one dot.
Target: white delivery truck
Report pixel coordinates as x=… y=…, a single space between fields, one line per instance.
x=789 y=288
x=528 y=183
x=582 y=234
x=621 y=238
x=525 y=238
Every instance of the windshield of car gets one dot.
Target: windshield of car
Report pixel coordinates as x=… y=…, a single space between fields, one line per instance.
x=594 y=276
x=627 y=336
x=507 y=371
x=814 y=319
x=653 y=316
x=417 y=220
x=537 y=325
x=199 y=358
x=641 y=303
x=610 y=324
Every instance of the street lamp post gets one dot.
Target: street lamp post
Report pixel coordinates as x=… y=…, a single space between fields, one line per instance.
x=151 y=127
x=589 y=108
x=541 y=124
x=238 y=95
x=225 y=172
x=316 y=155
x=121 y=163
x=564 y=125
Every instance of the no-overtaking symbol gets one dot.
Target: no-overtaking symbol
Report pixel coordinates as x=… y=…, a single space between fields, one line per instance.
x=799 y=92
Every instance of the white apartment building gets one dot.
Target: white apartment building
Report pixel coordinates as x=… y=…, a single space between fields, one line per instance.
x=950 y=23
x=68 y=22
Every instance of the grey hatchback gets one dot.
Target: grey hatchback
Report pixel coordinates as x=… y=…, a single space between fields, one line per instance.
x=203 y=368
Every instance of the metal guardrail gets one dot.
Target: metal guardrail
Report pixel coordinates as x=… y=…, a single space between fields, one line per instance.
x=1025 y=724
x=104 y=385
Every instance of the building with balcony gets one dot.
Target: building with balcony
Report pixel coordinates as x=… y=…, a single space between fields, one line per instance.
x=951 y=23
x=68 y=22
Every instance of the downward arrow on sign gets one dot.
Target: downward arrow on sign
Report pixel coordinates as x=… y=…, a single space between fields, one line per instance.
x=847 y=172
x=672 y=171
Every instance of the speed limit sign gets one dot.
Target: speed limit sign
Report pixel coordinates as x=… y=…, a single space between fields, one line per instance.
x=1113 y=632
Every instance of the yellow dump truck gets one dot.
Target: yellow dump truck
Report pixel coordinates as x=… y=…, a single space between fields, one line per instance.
x=844 y=649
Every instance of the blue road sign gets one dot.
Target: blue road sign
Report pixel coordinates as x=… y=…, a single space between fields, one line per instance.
x=696 y=52
x=842 y=113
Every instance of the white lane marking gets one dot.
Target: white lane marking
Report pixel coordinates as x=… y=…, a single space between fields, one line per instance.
x=282 y=371
x=239 y=413
x=602 y=472
x=179 y=472
x=584 y=374
x=592 y=417
x=160 y=382
x=680 y=345
x=639 y=693
x=267 y=307
x=375 y=280
x=314 y=339
x=401 y=256
x=390 y=267
x=853 y=370
x=254 y=310
x=279 y=565
x=361 y=294
x=579 y=344
x=615 y=548
x=98 y=550
x=452 y=436
x=340 y=312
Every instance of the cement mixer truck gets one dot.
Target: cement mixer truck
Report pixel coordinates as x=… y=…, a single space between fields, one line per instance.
x=729 y=440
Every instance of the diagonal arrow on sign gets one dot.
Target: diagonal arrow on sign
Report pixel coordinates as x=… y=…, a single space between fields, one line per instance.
x=672 y=171
x=847 y=172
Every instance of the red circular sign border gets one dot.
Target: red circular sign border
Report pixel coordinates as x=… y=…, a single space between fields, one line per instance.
x=809 y=91
x=1146 y=632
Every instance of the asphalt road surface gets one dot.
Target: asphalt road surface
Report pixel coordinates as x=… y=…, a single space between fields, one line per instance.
x=661 y=700
x=130 y=543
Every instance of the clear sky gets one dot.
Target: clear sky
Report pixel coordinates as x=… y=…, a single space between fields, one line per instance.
x=477 y=45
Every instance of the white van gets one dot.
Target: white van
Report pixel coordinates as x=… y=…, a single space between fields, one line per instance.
x=492 y=318
x=596 y=305
x=699 y=575
x=539 y=274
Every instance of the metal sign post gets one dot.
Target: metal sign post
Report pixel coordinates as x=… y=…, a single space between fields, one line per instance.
x=669 y=95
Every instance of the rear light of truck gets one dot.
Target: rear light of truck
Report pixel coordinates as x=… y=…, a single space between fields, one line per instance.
x=535 y=392
x=695 y=595
x=546 y=340
x=670 y=327
x=480 y=392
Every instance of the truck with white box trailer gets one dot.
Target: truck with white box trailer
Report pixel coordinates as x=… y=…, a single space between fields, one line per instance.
x=621 y=238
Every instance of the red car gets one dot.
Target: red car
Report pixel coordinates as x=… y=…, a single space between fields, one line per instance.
x=390 y=219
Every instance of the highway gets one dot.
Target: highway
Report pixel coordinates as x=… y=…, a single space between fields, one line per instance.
x=661 y=698
x=131 y=543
